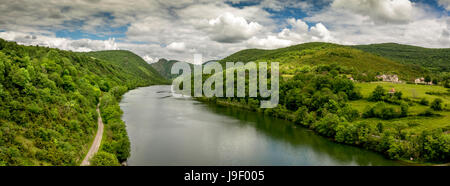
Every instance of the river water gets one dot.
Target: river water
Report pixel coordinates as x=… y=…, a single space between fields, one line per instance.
x=165 y=130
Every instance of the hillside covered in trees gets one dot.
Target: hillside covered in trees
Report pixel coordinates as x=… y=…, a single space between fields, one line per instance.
x=48 y=100
x=437 y=60
x=361 y=65
x=164 y=68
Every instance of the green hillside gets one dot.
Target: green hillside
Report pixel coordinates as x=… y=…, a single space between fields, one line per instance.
x=48 y=100
x=362 y=65
x=433 y=59
x=358 y=63
x=129 y=62
x=164 y=68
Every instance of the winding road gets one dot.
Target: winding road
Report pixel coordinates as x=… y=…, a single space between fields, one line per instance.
x=97 y=140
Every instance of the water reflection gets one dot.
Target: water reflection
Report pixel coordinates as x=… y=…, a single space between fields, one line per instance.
x=165 y=130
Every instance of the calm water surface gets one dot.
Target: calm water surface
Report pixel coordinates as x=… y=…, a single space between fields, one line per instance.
x=164 y=130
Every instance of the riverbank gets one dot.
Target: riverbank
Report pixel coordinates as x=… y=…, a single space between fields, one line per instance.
x=115 y=144
x=289 y=116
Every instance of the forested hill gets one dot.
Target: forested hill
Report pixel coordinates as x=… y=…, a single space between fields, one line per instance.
x=164 y=68
x=129 y=62
x=48 y=99
x=316 y=53
x=437 y=60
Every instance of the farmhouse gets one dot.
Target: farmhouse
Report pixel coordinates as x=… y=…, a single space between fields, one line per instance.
x=422 y=81
x=388 y=78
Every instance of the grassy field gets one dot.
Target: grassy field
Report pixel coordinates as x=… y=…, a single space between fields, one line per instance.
x=412 y=91
x=413 y=123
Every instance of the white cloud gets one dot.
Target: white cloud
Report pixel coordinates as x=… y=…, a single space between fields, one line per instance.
x=321 y=33
x=177 y=46
x=379 y=11
x=269 y=42
x=149 y=59
x=228 y=28
x=301 y=33
x=298 y=25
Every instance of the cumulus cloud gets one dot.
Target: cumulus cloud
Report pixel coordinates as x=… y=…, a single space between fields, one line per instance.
x=321 y=33
x=228 y=28
x=269 y=42
x=379 y=11
x=298 y=25
x=149 y=59
x=177 y=46
x=300 y=32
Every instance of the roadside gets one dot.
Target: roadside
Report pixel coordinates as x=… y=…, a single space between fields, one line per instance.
x=97 y=140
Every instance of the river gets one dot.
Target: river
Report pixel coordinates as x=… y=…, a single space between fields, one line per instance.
x=165 y=130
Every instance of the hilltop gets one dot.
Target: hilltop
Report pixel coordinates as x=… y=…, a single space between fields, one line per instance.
x=164 y=68
x=129 y=62
x=359 y=62
x=437 y=60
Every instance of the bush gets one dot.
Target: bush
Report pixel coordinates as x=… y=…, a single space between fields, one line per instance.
x=383 y=111
x=436 y=104
x=327 y=125
x=103 y=158
x=427 y=113
x=404 y=109
x=424 y=101
x=378 y=94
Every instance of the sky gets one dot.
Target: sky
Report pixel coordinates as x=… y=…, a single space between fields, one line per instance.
x=178 y=29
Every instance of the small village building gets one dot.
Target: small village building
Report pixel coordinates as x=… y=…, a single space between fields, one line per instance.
x=388 y=78
x=422 y=81
x=392 y=91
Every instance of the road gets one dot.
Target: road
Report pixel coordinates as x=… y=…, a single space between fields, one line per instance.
x=97 y=140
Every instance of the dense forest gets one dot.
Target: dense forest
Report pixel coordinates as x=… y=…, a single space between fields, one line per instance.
x=436 y=60
x=48 y=100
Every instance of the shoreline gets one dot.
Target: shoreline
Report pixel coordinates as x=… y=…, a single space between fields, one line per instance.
x=247 y=108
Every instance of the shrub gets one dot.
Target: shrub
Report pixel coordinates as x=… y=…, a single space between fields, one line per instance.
x=436 y=104
x=404 y=109
x=424 y=101
x=103 y=158
x=327 y=125
x=383 y=111
x=427 y=113
x=378 y=94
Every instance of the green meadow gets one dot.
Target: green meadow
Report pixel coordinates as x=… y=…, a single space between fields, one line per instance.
x=412 y=123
